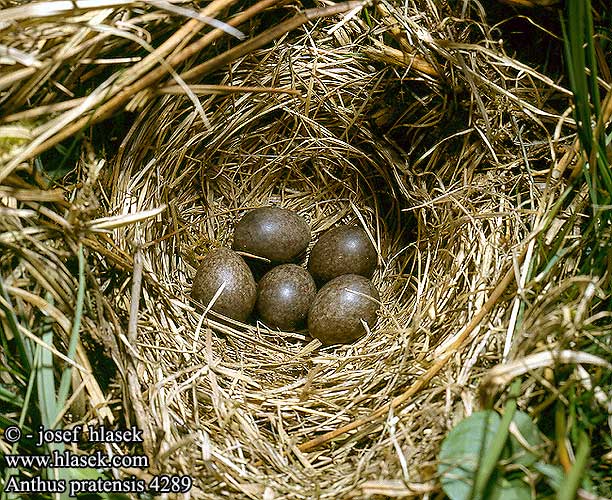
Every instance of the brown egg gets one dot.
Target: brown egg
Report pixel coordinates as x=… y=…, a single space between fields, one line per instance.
x=220 y=266
x=277 y=234
x=342 y=250
x=284 y=296
x=336 y=313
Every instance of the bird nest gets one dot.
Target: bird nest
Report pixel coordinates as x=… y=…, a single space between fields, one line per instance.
x=239 y=402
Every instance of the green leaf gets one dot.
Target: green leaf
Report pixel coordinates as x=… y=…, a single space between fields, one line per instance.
x=464 y=448
x=485 y=475
x=511 y=490
x=553 y=473
x=530 y=434
x=461 y=452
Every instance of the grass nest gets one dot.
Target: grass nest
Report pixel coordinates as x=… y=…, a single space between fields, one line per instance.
x=237 y=402
x=413 y=123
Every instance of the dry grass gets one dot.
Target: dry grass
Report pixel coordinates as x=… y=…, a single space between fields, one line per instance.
x=418 y=127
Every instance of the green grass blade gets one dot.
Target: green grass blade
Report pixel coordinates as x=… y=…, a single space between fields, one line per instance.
x=571 y=483
x=592 y=58
x=47 y=400
x=74 y=335
x=576 y=64
x=9 y=397
x=491 y=456
x=45 y=380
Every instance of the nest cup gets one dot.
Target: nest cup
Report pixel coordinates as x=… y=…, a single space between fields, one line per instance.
x=224 y=380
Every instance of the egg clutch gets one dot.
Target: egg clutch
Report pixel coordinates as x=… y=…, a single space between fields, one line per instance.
x=273 y=240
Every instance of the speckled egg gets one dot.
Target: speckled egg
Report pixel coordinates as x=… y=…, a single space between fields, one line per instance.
x=342 y=250
x=225 y=266
x=336 y=313
x=277 y=234
x=284 y=296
